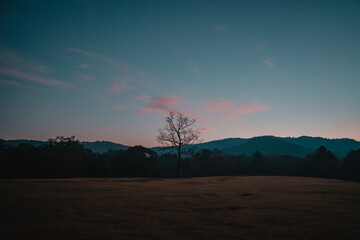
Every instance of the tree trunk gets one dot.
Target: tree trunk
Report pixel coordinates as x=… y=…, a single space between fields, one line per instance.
x=179 y=165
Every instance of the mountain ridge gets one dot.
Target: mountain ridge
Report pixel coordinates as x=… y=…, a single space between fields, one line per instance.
x=297 y=146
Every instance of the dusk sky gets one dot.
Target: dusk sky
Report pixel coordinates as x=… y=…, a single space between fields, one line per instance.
x=112 y=70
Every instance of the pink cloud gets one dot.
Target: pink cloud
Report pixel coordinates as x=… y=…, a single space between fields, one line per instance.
x=11 y=83
x=114 y=88
x=117 y=87
x=193 y=67
x=100 y=57
x=33 y=78
x=83 y=66
x=14 y=65
x=13 y=60
x=119 y=65
x=85 y=78
x=144 y=114
x=129 y=79
x=230 y=111
x=220 y=27
x=163 y=105
x=101 y=99
x=269 y=62
x=143 y=97
x=258 y=48
x=177 y=49
x=120 y=108
x=205 y=129
x=252 y=108
x=123 y=83
x=70 y=49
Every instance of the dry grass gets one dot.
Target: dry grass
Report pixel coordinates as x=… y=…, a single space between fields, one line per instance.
x=193 y=208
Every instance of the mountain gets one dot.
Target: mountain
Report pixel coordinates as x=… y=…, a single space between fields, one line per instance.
x=300 y=146
x=338 y=146
x=220 y=144
x=268 y=145
x=98 y=146
x=103 y=146
x=16 y=143
x=216 y=144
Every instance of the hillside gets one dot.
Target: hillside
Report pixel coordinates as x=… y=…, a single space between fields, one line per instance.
x=98 y=146
x=338 y=146
x=16 y=143
x=300 y=146
x=268 y=145
x=221 y=144
x=103 y=146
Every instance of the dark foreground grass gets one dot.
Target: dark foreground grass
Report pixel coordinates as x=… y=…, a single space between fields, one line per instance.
x=194 y=208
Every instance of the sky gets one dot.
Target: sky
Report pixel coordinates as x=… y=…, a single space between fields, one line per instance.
x=113 y=70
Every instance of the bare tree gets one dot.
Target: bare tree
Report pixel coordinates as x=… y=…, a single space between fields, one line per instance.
x=177 y=135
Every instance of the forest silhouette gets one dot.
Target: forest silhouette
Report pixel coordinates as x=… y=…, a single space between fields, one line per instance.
x=66 y=157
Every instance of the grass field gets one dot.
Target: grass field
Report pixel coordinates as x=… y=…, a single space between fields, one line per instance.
x=192 y=208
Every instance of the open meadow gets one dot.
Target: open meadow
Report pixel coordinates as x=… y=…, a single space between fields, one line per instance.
x=189 y=208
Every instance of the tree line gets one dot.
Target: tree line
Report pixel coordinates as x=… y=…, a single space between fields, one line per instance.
x=67 y=158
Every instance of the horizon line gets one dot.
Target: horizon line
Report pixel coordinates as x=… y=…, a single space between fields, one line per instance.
x=194 y=144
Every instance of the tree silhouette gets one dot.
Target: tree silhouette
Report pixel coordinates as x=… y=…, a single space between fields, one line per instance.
x=352 y=165
x=258 y=162
x=177 y=135
x=2 y=145
x=69 y=151
x=324 y=163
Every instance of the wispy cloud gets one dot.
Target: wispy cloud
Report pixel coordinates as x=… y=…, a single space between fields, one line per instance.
x=177 y=49
x=118 y=64
x=258 y=48
x=121 y=84
x=118 y=69
x=86 y=78
x=12 y=83
x=193 y=67
x=130 y=79
x=76 y=50
x=33 y=78
x=230 y=110
x=205 y=129
x=120 y=108
x=220 y=27
x=83 y=66
x=14 y=65
x=163 y=105
x=255 y=107
x=12 y=59
x=143 y=98
x=118 y=87
x=269 y=62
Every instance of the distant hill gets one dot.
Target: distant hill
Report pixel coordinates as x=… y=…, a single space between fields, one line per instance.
x=98 y=146
x=103 y=146
x=220 y=144
x=338 y=146
x=268 y=145
x=16 y=143
x=216 y=144
x=300 y=146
